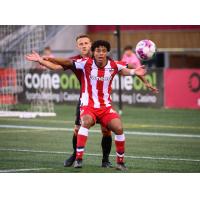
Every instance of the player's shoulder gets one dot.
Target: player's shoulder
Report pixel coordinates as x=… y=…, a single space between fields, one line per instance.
x=119 y=62
x=82 y=60
x=82 y=63
x=118 y=65
x=77 y=57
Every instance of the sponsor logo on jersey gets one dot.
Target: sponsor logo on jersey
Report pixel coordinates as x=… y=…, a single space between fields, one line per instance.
x=96 y=78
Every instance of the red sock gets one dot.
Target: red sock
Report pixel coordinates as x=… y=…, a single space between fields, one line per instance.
x=81 y=142
x=120 y=147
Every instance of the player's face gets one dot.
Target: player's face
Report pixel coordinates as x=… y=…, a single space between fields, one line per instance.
x=84 y=45
x=100 y=54
x=128 y=52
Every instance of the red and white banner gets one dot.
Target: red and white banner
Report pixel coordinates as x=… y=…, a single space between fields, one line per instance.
x=182 y=88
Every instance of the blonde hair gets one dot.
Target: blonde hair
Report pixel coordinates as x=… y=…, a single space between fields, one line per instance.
x=83 y=36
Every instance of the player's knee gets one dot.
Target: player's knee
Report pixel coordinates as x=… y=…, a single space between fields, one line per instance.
x=86 y=122
x=118 y=130
x=106 y=133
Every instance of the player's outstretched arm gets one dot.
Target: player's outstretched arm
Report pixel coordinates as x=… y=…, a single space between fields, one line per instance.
x=50 y=65
x=34 y=56
x=139 y=71
x=148 y=85
x=59 y=61
x=144 y=80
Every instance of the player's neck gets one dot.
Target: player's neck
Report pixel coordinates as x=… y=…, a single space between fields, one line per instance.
x=101 y=64
x=86 y=55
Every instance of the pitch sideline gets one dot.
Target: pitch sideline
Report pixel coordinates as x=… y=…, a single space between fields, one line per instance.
x=97 y=155
x=97 y=131
x=21 y=170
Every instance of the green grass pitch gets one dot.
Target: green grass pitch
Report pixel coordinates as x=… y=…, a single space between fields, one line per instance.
x=157 y=140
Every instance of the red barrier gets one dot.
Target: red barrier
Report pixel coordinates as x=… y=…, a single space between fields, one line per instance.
x=8 y=81
x=182 y=88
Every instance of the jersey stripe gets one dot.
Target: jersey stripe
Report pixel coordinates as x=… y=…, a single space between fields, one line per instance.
x=94 y=84
x=100 y=84
x=106 y=95
x=113 y=66
x=88 y=69
x=84 y=94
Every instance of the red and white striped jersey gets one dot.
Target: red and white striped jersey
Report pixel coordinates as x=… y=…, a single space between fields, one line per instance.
x=77 y=72
x=96 y=82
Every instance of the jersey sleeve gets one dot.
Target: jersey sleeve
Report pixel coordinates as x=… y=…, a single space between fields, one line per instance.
x=80 y=63
x=121 y=65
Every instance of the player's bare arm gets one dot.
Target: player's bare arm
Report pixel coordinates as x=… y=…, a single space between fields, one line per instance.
x=64 y=62
x=59 y=61
x=148 y=85
x=34 y=56
x=144 y=80
x=140 y=71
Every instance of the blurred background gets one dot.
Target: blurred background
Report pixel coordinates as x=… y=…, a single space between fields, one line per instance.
x=175 y=70
x=162 y=130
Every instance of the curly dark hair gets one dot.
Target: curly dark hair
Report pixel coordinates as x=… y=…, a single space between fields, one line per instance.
x=99 y=43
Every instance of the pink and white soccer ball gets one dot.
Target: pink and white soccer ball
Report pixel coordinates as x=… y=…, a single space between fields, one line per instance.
x=145 y=49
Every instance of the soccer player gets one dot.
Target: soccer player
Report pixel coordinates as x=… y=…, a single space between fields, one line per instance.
x=83 y=43
x=96 y=79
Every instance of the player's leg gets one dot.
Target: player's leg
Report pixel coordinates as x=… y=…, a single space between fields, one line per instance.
x=87 y=120
x=106 y=144
x=69 y=162
x=112 y=121
x=116 y=126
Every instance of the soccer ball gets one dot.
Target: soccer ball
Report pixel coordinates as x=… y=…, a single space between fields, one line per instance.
x=145 y=49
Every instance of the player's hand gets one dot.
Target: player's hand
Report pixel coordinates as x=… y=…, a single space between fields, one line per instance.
x=153 y=89
x=34 y=56
x=45 y=57
x=140 y=71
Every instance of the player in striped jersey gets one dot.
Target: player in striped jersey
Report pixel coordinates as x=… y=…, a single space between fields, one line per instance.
x=83 y=43
x=96 y=79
